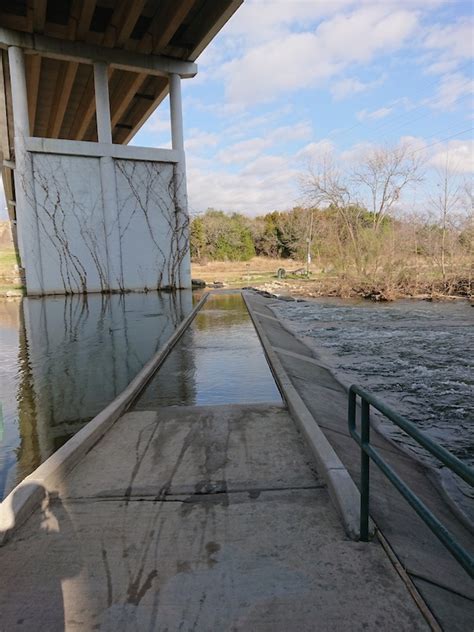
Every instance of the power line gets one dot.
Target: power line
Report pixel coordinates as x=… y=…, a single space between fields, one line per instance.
x=469 y=129
x=388 y=104
x=422 y=105
x=392 y=128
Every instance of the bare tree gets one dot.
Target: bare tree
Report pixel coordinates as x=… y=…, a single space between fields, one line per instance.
x=383 y=174
x=445 y=201
x=325 y=185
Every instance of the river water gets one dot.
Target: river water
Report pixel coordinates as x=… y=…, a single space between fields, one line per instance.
x=218 y=360
x=63 y=359
x=418 y=356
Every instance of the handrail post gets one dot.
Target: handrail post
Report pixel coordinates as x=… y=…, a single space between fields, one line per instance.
x=364 y=471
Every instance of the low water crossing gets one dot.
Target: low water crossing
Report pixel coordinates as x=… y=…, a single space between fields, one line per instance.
x=65 y=358
x=219 y=360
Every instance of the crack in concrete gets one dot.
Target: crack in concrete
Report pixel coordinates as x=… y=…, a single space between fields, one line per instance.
x=253 y=491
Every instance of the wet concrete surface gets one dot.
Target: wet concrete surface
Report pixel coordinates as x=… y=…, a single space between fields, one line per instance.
x=171 y=532
x=192 y=450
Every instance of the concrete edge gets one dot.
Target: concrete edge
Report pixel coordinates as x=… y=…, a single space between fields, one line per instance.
x=28 y=495
x=342 y=489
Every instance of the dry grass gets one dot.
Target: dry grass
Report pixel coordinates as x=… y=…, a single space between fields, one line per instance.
x=241 y=273
x=8 y=274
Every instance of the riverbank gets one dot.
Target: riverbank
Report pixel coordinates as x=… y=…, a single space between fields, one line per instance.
x=288 y=277
x=341 y=288
x=10 y=281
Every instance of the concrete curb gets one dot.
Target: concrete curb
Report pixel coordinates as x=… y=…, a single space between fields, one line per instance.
x=29 y=494
x=342 y=489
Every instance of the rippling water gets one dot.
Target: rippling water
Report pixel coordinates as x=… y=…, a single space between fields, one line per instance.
x=416 y=355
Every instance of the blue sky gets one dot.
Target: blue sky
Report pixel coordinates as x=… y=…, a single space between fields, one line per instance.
x=288 y=80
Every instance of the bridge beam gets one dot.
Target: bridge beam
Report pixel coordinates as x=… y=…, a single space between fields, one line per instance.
x=89 y=54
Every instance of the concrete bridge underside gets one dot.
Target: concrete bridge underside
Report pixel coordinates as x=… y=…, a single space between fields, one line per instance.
x=77 y=81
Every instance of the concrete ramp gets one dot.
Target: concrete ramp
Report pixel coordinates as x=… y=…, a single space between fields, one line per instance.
x=197 y=518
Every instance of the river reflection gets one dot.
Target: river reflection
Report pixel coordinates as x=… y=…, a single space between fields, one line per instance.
x=219 y=360
x=63 y=359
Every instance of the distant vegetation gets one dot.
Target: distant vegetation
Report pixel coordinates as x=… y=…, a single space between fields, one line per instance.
x=371 y=244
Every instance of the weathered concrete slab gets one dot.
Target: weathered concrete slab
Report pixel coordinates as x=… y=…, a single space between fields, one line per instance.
x=186 y=450
x=217 y=562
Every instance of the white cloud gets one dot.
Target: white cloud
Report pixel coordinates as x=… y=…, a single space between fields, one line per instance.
x=441 y=67
x=348 y=87
x=301 y=59
x=453 y=42
x=249 y=149
x=266 y=166
x=356 y=152
x=197 y=139
x=451 y=90
x=245 y=192
x=375 y=115
x=458 y=155
x=243 y=151
x=265 y=20
x=270 y=182
x=314 y=150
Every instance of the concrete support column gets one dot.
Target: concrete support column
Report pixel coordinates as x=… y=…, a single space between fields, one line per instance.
x=177 y=142
x=26 y=215
x=108 y=179
x=102 y=102
x=21 y=122
x=176 y=113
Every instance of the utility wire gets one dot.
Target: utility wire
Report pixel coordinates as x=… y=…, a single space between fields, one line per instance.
x=418 y=92
x=469 y=129
x=390 y=128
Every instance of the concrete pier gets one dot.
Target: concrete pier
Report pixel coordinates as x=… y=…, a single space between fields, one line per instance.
x=197 y=518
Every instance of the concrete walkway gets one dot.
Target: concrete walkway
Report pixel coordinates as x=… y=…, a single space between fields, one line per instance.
x=444 y=585
x=197 y=518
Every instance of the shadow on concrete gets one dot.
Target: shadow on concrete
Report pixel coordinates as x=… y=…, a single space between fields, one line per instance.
x=35 y=566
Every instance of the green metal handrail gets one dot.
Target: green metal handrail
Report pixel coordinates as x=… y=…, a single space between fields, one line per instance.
x=368 y=452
